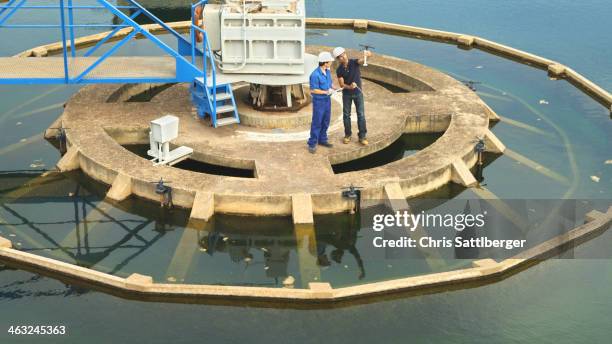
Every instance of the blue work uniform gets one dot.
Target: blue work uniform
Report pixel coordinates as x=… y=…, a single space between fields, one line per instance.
x=321 y=107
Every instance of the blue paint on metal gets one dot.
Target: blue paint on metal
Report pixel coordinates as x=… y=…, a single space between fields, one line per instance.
x=63 y=22
x=8 y=6
x=110 y=35
x=51 y=26
x=204 y=87
x=105 y=55
x=41 y=7
x=71 y=22
x=10 y=14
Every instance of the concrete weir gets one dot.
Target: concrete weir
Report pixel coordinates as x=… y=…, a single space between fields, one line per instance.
x=100 y=124
x=314 y=294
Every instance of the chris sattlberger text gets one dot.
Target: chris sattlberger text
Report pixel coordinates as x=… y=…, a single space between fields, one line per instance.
x=423 y=222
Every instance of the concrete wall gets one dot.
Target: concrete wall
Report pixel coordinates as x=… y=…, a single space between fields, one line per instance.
x=317 y=293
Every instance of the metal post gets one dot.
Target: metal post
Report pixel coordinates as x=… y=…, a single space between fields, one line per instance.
x=63 y=24
x=71 y=22
x=7 y=6
x=193 y=35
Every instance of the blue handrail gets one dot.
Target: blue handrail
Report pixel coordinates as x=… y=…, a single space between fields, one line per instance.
x=184 y=69
x=207 y=55
x=63 y=22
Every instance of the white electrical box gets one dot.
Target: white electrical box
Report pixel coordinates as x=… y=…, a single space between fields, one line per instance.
x=258 y=36
x=165 y=129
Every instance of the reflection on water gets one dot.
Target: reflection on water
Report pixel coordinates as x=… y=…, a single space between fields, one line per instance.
x=76 y=225
x=66 y=218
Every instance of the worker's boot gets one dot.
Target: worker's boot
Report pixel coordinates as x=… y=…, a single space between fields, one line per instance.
x=346 y=140
x=364 y=141
x=312 y=150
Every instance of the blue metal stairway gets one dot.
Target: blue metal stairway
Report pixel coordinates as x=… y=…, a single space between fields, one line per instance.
x=209 y=98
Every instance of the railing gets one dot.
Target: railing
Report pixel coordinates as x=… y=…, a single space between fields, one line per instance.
x=207 y=56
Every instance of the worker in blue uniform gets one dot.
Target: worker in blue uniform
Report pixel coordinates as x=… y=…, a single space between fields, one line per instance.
x=321 y=88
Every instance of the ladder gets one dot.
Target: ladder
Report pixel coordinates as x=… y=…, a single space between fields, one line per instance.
x=216 y=101
x=210 y=99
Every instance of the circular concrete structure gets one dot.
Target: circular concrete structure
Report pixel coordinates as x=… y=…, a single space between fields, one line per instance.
x=299 y=118
x=99 y=124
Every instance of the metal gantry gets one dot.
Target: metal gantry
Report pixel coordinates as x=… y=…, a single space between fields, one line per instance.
x=180 y=65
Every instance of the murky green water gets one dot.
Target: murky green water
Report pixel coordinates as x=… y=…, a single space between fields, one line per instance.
x=550 y=123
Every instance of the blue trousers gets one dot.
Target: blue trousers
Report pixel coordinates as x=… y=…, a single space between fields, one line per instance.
x=347 y=102
x=321 y=115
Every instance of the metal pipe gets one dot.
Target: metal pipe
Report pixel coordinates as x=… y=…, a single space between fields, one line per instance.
x=63 y=23
x=10 y=14
x=2 y=8
x=111 y=34
x=71 y=22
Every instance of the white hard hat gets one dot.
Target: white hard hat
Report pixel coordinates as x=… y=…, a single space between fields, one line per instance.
x=338 y=51
x=325 y=57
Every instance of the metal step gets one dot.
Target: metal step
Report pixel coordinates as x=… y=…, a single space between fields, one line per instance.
x=225 y=108
x=226 y=121
x=223 y=96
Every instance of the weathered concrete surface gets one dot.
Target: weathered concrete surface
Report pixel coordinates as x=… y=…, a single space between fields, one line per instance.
x=593 y=215
x=282 y=165
x=360 y=24
x=301 y=208
x=113 y=67
x=395 y=196
x=492 y=143
x=138 y=282
x=5 y=243
x=70 y=160
x=203 y=206
x=121 y=188
x=461 y=174
x=466 y=40
x=556 y=69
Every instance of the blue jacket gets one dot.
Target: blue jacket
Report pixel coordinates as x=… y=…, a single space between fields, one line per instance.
x=320 y=81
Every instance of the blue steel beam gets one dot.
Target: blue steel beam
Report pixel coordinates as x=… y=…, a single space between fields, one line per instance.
x=105 y=55
x=10 y=14
x=157 y=20
x=63 y=23
x=71 y=22
x=8 y=6
x=4 y=8
x=55 y=26
x=110 y=35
